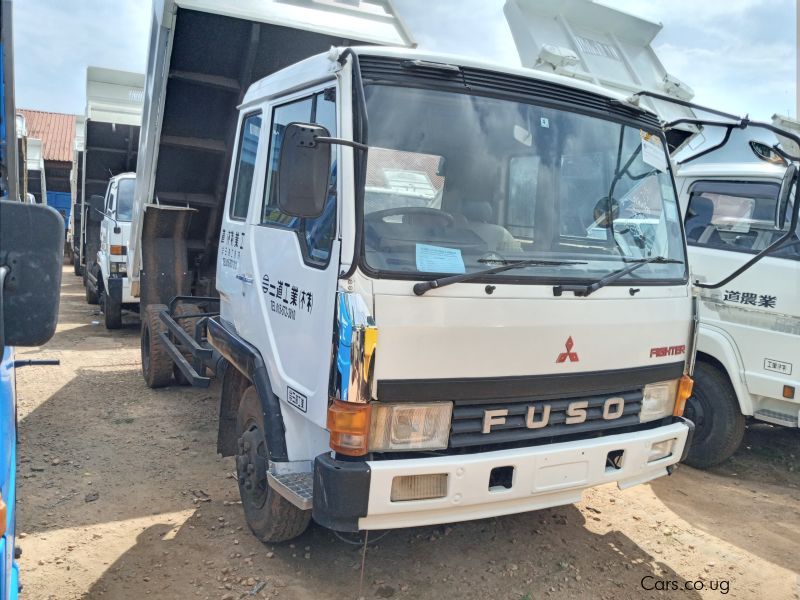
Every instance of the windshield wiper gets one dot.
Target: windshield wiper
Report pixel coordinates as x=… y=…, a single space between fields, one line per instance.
x=585 y=290
x=421 y=288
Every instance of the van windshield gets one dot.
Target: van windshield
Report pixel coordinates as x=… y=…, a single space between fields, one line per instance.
x=458 y=182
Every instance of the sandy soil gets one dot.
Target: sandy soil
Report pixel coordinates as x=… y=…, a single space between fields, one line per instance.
x=121 y=495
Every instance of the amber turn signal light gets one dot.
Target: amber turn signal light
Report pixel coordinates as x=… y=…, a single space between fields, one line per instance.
x=348 y=424
x=118 y=250
x=685 y=386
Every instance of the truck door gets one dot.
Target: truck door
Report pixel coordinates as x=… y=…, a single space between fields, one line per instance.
x=280 y=272
x=106 y=226
x=726 y=223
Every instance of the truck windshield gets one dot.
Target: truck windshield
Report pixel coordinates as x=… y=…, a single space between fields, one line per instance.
x=125 y=199
x=458 y=182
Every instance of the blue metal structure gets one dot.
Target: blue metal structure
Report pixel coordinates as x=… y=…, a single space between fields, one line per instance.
x=62 y=202
x=9 y=573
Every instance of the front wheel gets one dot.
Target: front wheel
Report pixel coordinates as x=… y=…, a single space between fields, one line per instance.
x=714 y=410
x=271 y=517
x=112 y=312
x=91 y=296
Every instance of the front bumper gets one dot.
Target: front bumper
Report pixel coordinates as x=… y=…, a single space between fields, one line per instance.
x=349 y=496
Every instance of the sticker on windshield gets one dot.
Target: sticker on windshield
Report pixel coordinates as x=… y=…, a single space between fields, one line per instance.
x=437 y=259
x=653 y=151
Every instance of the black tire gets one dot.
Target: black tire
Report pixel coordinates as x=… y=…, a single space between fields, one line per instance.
x=271 y=517
x=112 y=312
x=156 y=362
x=714 y=410
x=91 y=296
x=76 y=265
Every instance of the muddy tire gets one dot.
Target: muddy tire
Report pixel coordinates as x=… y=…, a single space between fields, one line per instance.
x=156 y=362
x=270 y=516
x=714 y=410
x=112 y=312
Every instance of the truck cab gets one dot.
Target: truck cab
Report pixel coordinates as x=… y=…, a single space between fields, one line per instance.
x=447 y=291
x=748 y=356
x=109 y=275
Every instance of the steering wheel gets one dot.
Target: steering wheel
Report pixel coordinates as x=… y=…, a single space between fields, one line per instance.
x=423 y=212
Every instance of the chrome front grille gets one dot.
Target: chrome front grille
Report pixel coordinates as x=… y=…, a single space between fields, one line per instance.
x=469 y=419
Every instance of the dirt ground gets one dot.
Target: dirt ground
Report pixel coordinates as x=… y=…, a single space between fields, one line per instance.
x=121 y=495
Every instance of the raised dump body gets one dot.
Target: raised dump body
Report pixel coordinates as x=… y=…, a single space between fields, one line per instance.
x=204 y=55
x=111 y=138
x=596 y=43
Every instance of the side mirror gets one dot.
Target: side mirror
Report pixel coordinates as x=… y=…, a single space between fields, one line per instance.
x=787 y=186
x=303 y=170
x=96 y=205
x=31 y=254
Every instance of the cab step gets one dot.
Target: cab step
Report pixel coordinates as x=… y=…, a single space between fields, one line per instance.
x=778 y=418
x=297 y=488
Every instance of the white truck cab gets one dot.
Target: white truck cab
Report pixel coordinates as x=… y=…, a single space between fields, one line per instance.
x=748 y=350
x=447 y=291
x=108 y=278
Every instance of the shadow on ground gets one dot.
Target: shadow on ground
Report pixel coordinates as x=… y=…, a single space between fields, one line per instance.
x=526 y=556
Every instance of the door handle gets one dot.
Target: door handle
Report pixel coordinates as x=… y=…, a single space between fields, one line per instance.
x=244 y=278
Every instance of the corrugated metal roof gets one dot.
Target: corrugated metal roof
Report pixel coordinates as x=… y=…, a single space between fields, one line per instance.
x=56 y=130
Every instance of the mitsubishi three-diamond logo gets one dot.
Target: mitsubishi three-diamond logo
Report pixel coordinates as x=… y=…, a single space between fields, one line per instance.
x=569 y=355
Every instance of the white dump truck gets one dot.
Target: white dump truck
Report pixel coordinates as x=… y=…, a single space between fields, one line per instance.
x=740 y=219
x=728 y=180
x=434 y=289
x=111 y=143
x=112 y=212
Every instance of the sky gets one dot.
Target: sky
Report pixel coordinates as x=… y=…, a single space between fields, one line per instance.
x=737 y=55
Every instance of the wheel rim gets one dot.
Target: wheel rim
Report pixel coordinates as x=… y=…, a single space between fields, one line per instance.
x=698 y=411
x=251 y=465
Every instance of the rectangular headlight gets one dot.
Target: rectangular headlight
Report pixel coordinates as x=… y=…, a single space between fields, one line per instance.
x=118 y=268
x=658 y=400
x=410 y=426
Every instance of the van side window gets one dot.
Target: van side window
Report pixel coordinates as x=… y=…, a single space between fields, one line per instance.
x=735 y=216
x=245 y=166
x=316 y=235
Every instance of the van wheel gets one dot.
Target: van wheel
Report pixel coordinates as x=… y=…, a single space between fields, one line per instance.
x=112 y=311
x=271 y=517
x=188 y=325
x=718 y=422
x=156 y=362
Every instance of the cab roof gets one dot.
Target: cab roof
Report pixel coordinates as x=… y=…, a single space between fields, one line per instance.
x=322 y=66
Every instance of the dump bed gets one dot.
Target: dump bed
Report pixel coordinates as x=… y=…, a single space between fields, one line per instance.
x=593 y=42
x=203 y=56
x=111 y=131
x=110 y=136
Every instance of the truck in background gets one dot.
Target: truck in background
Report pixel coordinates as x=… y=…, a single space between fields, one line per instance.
x=111 y=142
x=748 y=353
x=469 y=375
x=111 y=283
x=737 y=211
x=31 y=251
x=76 y=177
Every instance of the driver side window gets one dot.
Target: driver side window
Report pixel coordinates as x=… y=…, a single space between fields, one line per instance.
x=110 y=198
x=316 y=234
